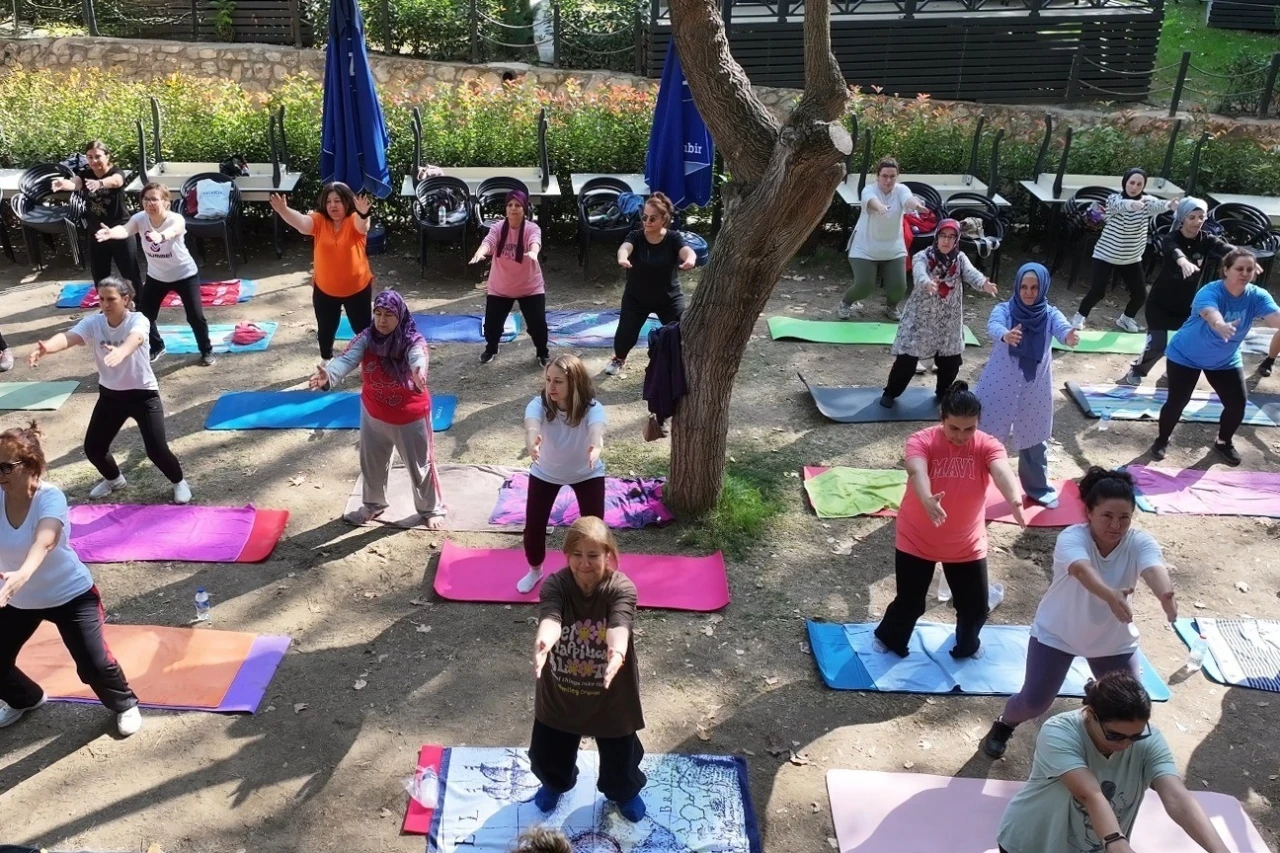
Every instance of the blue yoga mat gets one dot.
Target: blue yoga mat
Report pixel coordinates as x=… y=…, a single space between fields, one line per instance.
x=307 y=410
x=1123 y=403
x=449 y=328
x=73 y=293
x=180 y=340
x=847 y=661
x=590 y=328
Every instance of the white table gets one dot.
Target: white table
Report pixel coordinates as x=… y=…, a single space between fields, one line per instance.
x=1269 y=205
x=638 y=184
x=9 y=180
x=946 y=185
x=1041 y=189
x=473 y=176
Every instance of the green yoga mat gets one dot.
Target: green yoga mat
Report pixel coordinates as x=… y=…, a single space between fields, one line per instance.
x=35 y=396
x=846 y=492
x=1093 y=340
x=841 y=332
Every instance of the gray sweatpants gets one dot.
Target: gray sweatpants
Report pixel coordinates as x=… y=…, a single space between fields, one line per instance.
x=413 y=442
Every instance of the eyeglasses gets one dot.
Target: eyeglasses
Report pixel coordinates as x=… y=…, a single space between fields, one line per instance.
x=1119 y=737
x=654 y=217
x=7 y=468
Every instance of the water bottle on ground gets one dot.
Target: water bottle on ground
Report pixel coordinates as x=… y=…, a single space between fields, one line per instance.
x=944 y=589
x=1195 y=658
x=202 y=605
x=1104 y=423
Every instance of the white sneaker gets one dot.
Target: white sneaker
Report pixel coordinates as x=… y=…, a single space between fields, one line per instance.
x=615 y=365
x=529 y=581
x=10 y=715
x=893 y=312
x=845 y=311
x=6 y=360
x=1127 y=323
x=1078 y=321
x=181 y=493
x=129 y=722
x=106 y=487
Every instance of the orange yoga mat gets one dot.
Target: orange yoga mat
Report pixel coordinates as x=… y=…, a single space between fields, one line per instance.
x=178 y=667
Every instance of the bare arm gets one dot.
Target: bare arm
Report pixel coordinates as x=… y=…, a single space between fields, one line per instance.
x=1084 y=787
x=624 y=255
x=1005 y=481
x=534 y=249
x=47 y=532
x=116 y=232
x=1187 y=813
x=918 y=477
x=543 y=642
x=1273 y=320
x=363 y=205
x=1161 y=586
x=532 y=436
x=59 y=342
x=300 y=222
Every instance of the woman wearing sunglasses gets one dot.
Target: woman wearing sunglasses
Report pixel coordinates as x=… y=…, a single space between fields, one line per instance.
x=1087 y=610
x=1091 y=769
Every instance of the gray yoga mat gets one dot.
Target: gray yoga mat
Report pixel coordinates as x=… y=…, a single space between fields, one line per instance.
x=858 y=405
x=470 y=494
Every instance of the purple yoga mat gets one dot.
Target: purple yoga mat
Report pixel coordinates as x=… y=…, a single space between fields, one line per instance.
x=120 y=533
x=631 y=502
x=1186 y=491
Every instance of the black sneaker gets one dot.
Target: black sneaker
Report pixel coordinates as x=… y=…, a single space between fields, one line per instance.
x=997 y=739
x=886 y=401
x=1228 y=452
x=208 y=360
x=1264 y=369
x=157 y=353
x=544 y=360
x=1159 y=448
x=487 y=356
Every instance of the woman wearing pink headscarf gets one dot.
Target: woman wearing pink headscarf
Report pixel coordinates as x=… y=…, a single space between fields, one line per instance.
x=516 y=276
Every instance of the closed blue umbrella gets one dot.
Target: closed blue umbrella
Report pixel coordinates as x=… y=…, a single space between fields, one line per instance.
x=680 y=148
x=353 y=134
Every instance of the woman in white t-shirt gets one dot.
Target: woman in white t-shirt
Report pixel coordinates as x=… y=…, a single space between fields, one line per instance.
x=877 y=246
x=170 y=267
x=42 y=580
x=564 y=433
x=127 y=387
x=1087 y=611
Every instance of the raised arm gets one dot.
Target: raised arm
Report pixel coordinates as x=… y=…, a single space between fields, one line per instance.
x=131 y=345
x=1186 y=812
x=975 y=278
x=300 y=222
x=47 y=532
x=364 y=205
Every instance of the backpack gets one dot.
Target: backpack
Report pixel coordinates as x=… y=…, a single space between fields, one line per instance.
x=234 y=166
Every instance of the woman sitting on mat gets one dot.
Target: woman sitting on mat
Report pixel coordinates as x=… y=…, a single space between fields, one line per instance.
x=933 y=322
x=1264 y=367
x=943 y=520
x=515 y=276
x=339 y=227
x=564 y=434
x=42 y=580
x=651 y=255
x=1086 y=611
x=1184 y=251
x=587 y=673
x=1016 y=387
x=101 y=187
x=1120 y=247
x=1091 y=770
x=170 y=267
x=127 y=387
x=876 y=245
x=395 y=408
x=1210 y=341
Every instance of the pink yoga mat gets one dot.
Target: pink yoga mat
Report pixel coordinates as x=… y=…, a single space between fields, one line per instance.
x=111 y=533
x=1185 y=491
x=674 y=583
x=917 y=812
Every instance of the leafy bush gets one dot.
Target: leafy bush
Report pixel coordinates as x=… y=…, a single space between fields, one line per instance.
x=1246 y=77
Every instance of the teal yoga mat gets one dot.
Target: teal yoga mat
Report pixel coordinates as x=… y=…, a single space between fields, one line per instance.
x=35 y=396
x=180 y=340
x=307 y=410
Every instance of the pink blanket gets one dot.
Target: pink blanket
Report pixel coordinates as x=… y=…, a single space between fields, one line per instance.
x=629 y=502
x=1171 y=491
x=109 y=533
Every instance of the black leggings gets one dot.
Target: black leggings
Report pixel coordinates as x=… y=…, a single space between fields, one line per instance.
x=329 y=314
x=1227 y=384
x=188 y=290
x=534 y=310
x=968 y=581
x=635 y=312
x=537 y=511
x=1157 y=340
x=904 y=368
x=123 y=252
x=553 y=760
x=1133 y=279
x=3 y=346
x=109 y=414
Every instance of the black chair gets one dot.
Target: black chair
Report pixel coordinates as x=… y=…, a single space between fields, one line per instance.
x=226 y=228
x=962 y=206
x=431 y=194
x=1234 y=211
x=1079 y=232
x=599 y=218
x=488 y=204
x=1263 y=242
x=933 y=201
x=40 y=213
x=5 y=239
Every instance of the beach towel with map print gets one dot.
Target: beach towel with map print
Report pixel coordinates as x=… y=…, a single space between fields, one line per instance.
x=629 y=502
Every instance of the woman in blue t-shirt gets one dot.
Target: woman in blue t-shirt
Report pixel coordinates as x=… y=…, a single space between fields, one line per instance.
x=1209 y=342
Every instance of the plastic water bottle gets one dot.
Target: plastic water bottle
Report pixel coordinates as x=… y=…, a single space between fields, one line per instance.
x=202 y=605
x=944 y=589
x=1195 y=658
x=441 y=215
x=1104 y=423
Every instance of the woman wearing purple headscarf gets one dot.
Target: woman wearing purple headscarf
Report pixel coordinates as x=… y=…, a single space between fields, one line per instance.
x=395 y=408
x=516 y=276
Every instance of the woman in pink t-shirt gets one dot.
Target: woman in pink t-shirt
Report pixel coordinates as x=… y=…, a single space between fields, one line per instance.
x=516 y=276
x=943 y=520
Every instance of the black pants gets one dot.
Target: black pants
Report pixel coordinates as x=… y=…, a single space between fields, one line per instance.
x=1227 y=384
x=1157 y=340
x=635 y=312
x=542 y=497
x=968 y=583
x=328 y=310
x=3 y=346
x=534 y=310
x=79 y=621
x=123 y=252
x=904 y=368
x=188 y=290
x=553 y=758
x=109 y=414
x=1133 y=279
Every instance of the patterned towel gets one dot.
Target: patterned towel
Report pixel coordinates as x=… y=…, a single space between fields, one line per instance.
x=628 y=503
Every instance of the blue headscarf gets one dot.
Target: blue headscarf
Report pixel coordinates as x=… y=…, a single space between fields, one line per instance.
x=1183 y=209
x=1034 y=320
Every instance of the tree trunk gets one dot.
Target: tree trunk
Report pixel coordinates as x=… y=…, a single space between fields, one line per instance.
x=783 y=178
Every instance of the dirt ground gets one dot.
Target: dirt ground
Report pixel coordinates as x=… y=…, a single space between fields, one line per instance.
x=319 y=767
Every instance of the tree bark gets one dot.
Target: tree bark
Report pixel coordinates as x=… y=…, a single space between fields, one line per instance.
x=782 y=181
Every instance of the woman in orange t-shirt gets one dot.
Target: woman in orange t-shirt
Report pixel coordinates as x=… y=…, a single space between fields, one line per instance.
x=340 y=228
x=943 y=520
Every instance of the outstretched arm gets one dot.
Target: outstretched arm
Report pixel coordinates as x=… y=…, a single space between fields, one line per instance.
x=543 y=642
x=59 y=342
x=1187 y=813
x=1007 y=483
x=1084 y=787
x=47 y=532
x=298 y=221
x=1161 y=586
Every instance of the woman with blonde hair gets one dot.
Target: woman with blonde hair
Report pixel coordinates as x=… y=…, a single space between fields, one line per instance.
x=542 y=839
x=588 y=678
x=564 y=434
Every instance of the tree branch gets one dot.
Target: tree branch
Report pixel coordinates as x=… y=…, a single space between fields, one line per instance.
x=743 y=128
x=825 y=90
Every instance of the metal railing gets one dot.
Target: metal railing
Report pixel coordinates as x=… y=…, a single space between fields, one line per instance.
x=1244 y=91
x=792 y=11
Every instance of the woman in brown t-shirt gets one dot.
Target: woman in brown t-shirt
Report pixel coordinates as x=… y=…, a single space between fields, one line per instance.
x=588 y=678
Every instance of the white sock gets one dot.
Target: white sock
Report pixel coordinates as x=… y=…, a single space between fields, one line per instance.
x=530 y=580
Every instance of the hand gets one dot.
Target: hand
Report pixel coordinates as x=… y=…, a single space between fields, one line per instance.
x=91 y=185
x=1188 y=269
x=154 y=237
x=931 y=287
x=1257 y=269
x=990 y=288
x=103 y=234
x=1169 y=605
x=1013 y=337
x=38 y=353
x=319 y=380
x=684 y=265
x=933 y=506
x=1017 y=514
x=535 y=449
x=363 y=203
x=1224 y=329
x=278 y=203
x=613 y=663
x=62 y=185
x=540 y=652
x=1073 y=338
x=532 y=255
x=419 y=378
x=113 y=357
x=477 y=257
x=14 y=581
x=625 y=263
x=593 y=455
x=1118 y=601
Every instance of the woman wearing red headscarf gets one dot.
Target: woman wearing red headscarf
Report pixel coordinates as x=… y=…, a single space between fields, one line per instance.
x=515 y=276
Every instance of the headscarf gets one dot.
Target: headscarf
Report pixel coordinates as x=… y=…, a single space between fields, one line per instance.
x=1183 y=210
x=514 y=195
x=1124 y=183
x=941 y=265
x=393 y=349
x=1034 y=320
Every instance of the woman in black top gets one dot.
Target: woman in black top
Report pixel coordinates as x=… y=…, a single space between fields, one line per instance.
x=651 y=256
x=101 y=184
x=1184 y=250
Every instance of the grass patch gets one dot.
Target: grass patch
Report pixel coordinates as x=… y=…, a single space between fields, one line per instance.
x=750 y=499
x=1211 y=49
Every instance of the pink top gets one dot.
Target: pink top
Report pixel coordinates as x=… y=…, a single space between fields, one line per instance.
x=963 y=474
x=506 y=277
